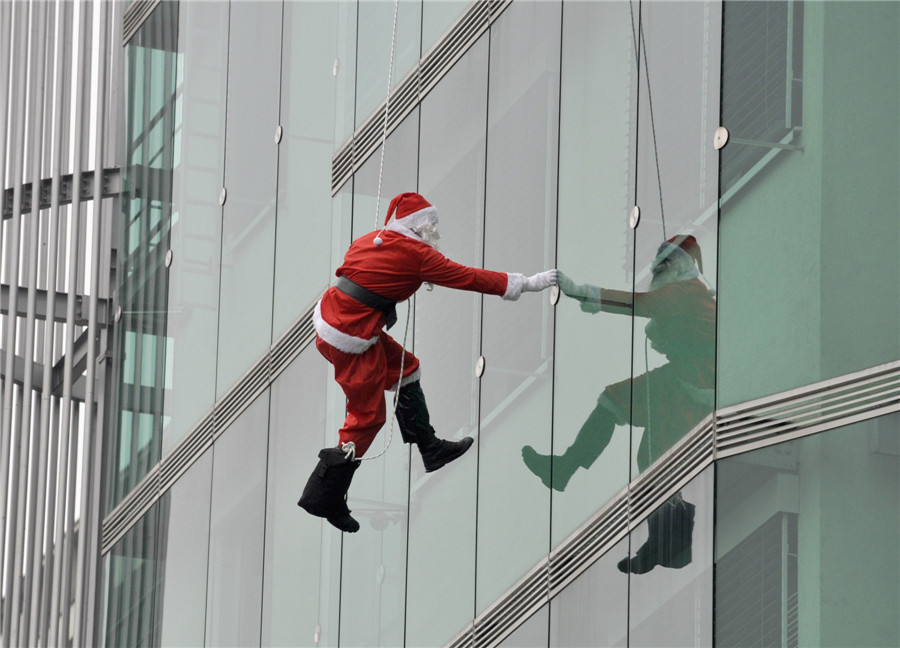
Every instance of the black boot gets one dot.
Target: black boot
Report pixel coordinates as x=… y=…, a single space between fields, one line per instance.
x=325 y=494
x=668 y=544
x=415 y=427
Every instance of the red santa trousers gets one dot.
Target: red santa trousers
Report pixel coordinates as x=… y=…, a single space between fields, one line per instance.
x=365 y=377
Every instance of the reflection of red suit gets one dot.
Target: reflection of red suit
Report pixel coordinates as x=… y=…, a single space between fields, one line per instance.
x=349 y=334
x=669 y=400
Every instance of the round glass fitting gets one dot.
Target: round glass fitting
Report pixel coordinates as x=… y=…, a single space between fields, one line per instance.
x=479 y=367
x=721 y=138
x=635 y=217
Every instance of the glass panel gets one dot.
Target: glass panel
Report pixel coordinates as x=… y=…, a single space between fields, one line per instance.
x=532 y=633
x=438 y=17
x=131 y=573
x=309 y=105
x=373 y=586
x=237 y=525
x=593 y=610
x=442 y=504
x=302 y=555
x=184 y=541
x=345 y=72
x=251 y=171
x=677 y=171
x=140 y=376
x=595 y=248
x=823 y=282
x=792 y=521
x=401 y=157
x=670 y=586
x=196 y=219
x=520 y=220
x=375 y=27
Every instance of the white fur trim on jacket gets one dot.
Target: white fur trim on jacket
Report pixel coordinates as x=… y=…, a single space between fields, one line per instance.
x=338 y=339
x=515 y=281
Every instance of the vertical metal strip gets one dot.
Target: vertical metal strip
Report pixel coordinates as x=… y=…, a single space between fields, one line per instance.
x=88 y=540
x=61 y=147
x=75 y=552
x=13 y=540
x=6 y=382
x=44 y=538
x=64 y=533
x=33 y=460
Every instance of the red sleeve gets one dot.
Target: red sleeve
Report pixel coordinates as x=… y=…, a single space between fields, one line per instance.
x=438 y=269
x=673 y=299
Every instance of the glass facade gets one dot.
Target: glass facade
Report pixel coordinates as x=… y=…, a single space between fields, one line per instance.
x=571 y=135
x=790 y=521
x=820 y=229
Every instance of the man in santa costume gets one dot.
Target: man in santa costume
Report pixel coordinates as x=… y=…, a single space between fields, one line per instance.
x=666 y=401
x=380 y=269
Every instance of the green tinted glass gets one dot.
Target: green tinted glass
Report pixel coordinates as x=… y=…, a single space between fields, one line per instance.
x=807 y=540
x=810 y=221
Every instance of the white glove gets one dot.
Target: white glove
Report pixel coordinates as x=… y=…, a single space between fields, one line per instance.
x=540 y=281
x=588 y=295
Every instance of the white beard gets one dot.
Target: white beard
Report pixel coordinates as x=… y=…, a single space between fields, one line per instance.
x=676 y=270
x=429 y=233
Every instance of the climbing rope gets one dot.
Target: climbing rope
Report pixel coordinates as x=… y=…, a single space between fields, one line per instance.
x=350 y=448
x=396 y=399
x=638 y=47
x=387 y=107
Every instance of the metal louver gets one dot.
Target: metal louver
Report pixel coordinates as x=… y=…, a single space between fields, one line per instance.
x=413 y=88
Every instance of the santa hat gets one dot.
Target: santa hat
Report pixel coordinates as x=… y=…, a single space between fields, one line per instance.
x=682 y=244
x=412 y=210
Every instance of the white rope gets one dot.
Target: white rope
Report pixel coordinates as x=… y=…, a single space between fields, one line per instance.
x=387 y=106
x=396 y=393
x=350 y=451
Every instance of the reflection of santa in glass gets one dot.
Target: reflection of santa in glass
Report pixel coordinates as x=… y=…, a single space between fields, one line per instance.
x=380 y=269
x=667 y=401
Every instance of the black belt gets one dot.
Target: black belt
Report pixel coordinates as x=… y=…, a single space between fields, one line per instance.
x=367 y=297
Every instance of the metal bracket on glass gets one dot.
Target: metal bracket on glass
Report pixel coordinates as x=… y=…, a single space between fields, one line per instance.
x=479 y=367
x=721 y=138
x=170 y=256
x=554 y=295
x=223 y=196
x=635 y=217
x=279 y=132
x=769 y=145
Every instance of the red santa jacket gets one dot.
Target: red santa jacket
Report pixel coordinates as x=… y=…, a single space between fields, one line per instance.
x=395 y=270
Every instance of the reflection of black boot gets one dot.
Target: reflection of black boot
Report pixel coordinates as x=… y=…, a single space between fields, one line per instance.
x=325 y=494
x=590 y=442
x=415 y=427
x=555 y=472
x=669 y=540
x=677 y=552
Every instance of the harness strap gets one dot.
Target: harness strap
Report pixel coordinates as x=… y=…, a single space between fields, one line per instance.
x=370 y=299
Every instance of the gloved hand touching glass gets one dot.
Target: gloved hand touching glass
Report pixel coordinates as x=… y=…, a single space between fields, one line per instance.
x=588 y=295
